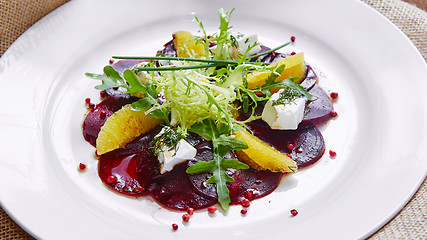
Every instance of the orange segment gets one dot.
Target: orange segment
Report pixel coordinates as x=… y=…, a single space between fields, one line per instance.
x=294 y=67
x=187 y=46
x=122 y=127
x=261 y=156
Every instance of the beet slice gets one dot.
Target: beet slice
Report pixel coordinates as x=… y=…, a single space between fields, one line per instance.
x=308 y=143
x=318 y=110
x=134 y=165
x=93 y=121
x=259 y=183
x=310 y=79
x=173 y=190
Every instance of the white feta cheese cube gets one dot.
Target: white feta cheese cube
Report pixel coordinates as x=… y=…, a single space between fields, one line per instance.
x=170 y=158
x=248 y=40
x=283 y=117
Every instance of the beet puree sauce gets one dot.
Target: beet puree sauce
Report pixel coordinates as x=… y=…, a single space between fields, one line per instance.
x=136 y=169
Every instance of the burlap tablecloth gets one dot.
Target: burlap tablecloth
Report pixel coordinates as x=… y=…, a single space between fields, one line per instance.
x=411 y=223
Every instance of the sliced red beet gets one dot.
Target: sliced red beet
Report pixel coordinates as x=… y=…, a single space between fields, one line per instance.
x=134 y=165
x=318 y=110
x=310 y=79
x=121 y=65
x=261 y=183
x=173 y=190
x=93 y=121
x=308 y=143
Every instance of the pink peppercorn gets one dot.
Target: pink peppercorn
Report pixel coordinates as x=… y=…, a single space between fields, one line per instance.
x=246 y=202
x=82 y=166
x=185 y=217
x=294 y=212
x=334 y=114
x=244 y=211
x=190 y=211
x=290 y=146
x=293 y=38
x=175 y=226
x=111 y=179
x=334 y=95
x=332 y=153
x=212 y=209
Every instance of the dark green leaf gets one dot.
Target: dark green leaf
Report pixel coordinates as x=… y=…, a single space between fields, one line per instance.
x=142 y=104
x=233 y=163
x=201 y=167
x=135 y=85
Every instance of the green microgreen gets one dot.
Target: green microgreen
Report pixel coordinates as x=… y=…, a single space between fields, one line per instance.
x=199 y=97
x=167 y=139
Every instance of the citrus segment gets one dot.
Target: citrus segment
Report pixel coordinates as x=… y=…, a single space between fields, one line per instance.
x=262 y=156
x=122 y=127
x=294 y=67
x=186 y=45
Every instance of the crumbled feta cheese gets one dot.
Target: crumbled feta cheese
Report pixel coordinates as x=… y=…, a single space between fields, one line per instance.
x=248 y=40
x=283 y=117
x=170 y=158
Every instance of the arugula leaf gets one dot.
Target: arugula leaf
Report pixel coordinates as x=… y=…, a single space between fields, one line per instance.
x=221 y=145
x=110 y=79
x=135 y=85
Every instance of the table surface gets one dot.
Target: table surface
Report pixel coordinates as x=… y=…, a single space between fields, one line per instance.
x=402 y=226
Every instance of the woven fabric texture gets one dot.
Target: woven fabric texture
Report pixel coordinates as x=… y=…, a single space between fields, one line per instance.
x=411 y=223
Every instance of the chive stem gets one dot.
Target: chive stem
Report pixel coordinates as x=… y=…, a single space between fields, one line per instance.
x=177 y=68
x=269 y=51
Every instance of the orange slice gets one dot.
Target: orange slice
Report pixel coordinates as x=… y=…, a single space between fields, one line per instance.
x=122 y=127
x=294 y=67
x=262 y=156
x=187 y=46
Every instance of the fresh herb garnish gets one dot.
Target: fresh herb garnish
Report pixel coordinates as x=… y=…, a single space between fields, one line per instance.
x=222 y=143
x=199 y=97
x=167 y=139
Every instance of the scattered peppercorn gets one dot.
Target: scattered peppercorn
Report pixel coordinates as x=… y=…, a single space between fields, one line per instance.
x=332 y=153
x=334 y=95
x=190 y=211
x=334 y=114
x=212 y=209
x=293 y=53
x=175 y=226
x=294 y=212
x=111 y=179
x=87 y=100
x=246 y=202
x=244 y=211
x=111 y=61
x=290 y=146
x=185 y=217
x=293 y=38
x=82 y=166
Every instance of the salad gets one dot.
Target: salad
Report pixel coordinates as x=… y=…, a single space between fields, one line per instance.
x=209 y=119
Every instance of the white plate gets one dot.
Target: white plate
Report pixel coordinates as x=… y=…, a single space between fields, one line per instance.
x=380 y=134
